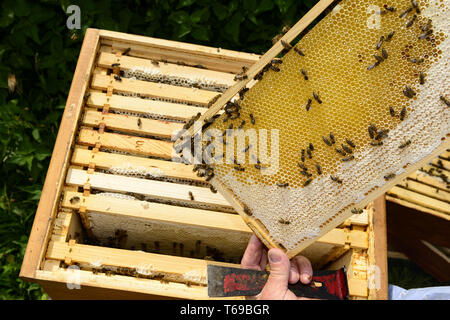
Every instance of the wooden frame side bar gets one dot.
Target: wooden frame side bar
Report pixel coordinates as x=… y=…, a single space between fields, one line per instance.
x=60 y=157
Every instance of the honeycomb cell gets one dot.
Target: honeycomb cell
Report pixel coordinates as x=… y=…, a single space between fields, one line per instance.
x=338 y=52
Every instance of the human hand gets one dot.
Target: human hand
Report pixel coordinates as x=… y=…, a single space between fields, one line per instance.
x=282 y=271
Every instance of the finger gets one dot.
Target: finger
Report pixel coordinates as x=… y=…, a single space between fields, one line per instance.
x=253 y=254
x=263 y=261
x=276 y=286
x=294 y=273
x=304 y=269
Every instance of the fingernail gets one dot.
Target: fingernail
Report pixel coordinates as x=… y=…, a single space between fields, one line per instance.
x=274 y=256
x=306 y=278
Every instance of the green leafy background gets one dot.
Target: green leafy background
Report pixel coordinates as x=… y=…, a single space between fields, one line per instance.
x=41 y=52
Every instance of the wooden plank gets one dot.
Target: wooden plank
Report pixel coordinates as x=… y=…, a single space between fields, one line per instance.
x=152 y=89
x=415 y=206
x=151 y=188
x=176 y=269
x=103 y=160
x=121 y=142
x=428 y=179
x=378 y=248
x=167 y=70
x=425 y=190
x=144 y=106
x=156 y=211
x=420 y=199
x=130 y=124
x=159 y=49
x=115 y=287
x=59 y=161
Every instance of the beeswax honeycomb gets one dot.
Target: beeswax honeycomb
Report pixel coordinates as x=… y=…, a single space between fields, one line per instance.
x=338 y=55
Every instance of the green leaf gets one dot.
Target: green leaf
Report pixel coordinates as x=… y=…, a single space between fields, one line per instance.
x=36 y=135
x=200 y=33
x=200 y=15
x=180 y=17
x=183 y=30
x=185 y=3
x=220 y=11
x=284 y=5
x=264 y=5
x=233 y=26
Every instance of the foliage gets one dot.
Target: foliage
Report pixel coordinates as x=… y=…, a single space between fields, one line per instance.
x=40 y=52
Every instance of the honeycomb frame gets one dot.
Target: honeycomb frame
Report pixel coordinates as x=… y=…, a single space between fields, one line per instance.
x=436 y=144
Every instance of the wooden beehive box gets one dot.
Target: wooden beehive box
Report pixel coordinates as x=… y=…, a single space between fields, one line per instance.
x=116 y=215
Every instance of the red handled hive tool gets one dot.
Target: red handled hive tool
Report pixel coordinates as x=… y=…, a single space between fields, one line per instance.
x=230 y=282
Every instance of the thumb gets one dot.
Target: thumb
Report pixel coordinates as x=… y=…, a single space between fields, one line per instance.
x=277 y=283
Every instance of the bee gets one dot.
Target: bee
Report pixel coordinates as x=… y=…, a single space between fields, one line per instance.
x=372 y=130
x=209 y=177
x=410 y=22
x=305 y=173
x=242 y=92
x=155 y=63
x=346 y=149
x=303 y=155
x=391 y=9
x=444 y=100
x=252 y=118
x=311 y=146
x=414 y=60
x=308 y=151
x=316 y=96
x=404 y=144
x=301 y=165
x=336 y=179
x=402 y=114
x=389 y=176
x=241 y=125
x=340 y=152
x=332 y=138
x=384 y=53
x=87 y=95
x=299 y=51
x=139 y=122
x=414 y=4
x=237 y=168
x=425 y=34
x=235 y=116
x=357 y=211
x=283 y=184
x=381 y=134
x=349 y=158
x=286 y=45
x=74 y=200
x=247 y=148
x=117 y=77
x=282 y=221
x=421 y=78
x=276 y=61
x=258 y=166
x=225 y=117
x=373 y=65
x=408 y=92
x=127 y=51
x=427 y=26
x=307 y=182
x=380 y=42
x=392 y=111
x=247 y=211
x=304 y=74
x=376 y=143
x=326 y=141
x=274 y=68
x=319 y=169
x=255 y=159
x=390 y=35
x=308 y=104
x=404 y=13
x=115 y=65
x=240 y=77
x=378 y=58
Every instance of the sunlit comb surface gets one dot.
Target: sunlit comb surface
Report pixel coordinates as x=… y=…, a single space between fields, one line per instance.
x=394 y=84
